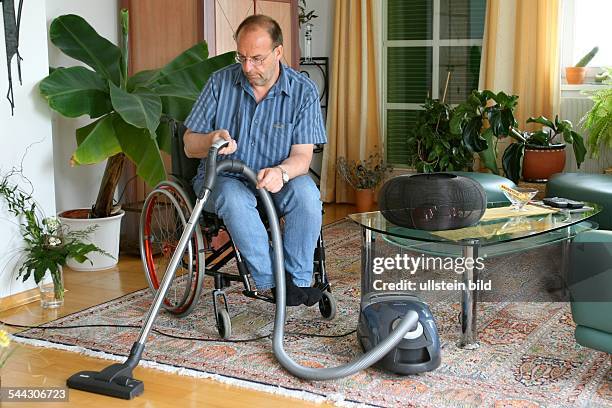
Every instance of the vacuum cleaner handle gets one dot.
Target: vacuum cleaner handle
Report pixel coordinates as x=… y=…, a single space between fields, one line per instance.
x=211 y=165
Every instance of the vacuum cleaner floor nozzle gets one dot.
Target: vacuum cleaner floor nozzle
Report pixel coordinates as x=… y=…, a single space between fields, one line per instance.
x=120 y=387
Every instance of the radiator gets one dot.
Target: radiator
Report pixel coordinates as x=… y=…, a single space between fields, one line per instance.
x=573 y=109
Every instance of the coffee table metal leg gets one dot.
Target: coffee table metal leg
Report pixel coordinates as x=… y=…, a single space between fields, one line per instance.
x=469 y=299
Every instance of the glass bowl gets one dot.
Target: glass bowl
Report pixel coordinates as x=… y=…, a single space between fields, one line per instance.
x=519 y=197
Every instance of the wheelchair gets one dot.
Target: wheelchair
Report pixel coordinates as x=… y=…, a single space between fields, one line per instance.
x=163 y=218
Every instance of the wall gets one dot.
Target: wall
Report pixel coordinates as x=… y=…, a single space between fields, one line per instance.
x=322 y=43
x=77 y=187
x=30 y=126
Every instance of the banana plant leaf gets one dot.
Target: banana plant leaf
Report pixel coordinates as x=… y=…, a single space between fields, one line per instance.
x=76 y=91
x=77 y=39
x=141 y=108
x=96 y=141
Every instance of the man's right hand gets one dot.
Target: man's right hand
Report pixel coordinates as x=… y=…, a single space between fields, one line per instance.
x=223 y=134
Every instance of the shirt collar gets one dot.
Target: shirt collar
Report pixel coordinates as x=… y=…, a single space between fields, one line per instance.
x=282 y=83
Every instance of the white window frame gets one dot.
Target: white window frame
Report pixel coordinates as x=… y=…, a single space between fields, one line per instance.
x=435 y=43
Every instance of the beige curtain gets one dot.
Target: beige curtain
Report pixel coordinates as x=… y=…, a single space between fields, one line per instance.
x=521 y=52
x=353 y=117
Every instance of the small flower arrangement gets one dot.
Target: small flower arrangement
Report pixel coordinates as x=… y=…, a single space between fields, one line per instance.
x=303 y=15
x=5 y=350
x=364 y=174
x=47 y=243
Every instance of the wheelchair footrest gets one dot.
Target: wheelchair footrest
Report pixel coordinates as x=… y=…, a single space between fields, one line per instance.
x=254 y=295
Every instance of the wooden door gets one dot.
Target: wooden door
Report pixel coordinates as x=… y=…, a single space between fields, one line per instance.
x=226 y=15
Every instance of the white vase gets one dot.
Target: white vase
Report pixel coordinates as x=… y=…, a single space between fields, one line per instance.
x=52 y=290
x=105 y=237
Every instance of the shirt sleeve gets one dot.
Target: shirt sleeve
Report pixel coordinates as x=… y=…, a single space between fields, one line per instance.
x=202 y=116
x=308 y=127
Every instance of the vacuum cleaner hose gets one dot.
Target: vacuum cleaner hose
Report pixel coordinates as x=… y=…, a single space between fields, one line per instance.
x=407 y=324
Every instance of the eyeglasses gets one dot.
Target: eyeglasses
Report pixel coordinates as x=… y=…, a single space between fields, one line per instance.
x=255 y=61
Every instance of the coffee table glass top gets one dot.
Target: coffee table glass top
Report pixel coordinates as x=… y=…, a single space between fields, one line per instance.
x=498 y=225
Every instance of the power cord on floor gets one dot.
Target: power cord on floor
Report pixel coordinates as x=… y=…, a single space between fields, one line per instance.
x=127 y=326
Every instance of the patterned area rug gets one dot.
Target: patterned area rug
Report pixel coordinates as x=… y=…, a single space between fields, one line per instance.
x=528 y=356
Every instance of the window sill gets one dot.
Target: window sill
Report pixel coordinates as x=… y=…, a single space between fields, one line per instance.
x=583 y=87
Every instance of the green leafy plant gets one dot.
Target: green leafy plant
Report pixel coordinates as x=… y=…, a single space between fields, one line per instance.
x=584 y=61
x=364 y=174
x=131 y=112
x=487 y=117
x=432 y=146
x=303 y=15
x=598 y=120
x=47 y=243
x=484 y=118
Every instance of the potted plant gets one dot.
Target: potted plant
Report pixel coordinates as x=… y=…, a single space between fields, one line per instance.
x=364 y=176
x=598 y=120
x=131 y=112
x=544 y=153
x=48 y=244
x=303 y=15
x=432 y=147
x=576 y=74
x=481 y=120
x=496 y=111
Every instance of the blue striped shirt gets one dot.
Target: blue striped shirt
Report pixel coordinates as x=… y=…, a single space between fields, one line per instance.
x=289 y=114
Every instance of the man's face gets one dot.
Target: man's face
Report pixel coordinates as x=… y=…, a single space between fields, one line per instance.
x=256 y=44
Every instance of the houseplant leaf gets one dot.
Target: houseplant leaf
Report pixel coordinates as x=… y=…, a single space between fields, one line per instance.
x=177 y=100
x=164 y=137
x=141 y=149
x=542 y=121
x=488 y=157
x=512 y=161
x=471 y=135
x=193 y=55
x=96 y=141
x=143 y=78
x=76 y=91
x=141 y=108
x=194 y=76
x=579 y=148
x=77 y=39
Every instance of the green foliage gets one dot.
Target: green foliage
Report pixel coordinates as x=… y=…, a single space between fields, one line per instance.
x=432 y=146
x=364 y=174
x=598 y=120
x=481 y=117
x=47 y=243
x=133 y=112
x=584 y=61
x=547 y=138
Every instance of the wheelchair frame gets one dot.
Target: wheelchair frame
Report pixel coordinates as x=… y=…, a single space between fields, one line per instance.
x=163 y=219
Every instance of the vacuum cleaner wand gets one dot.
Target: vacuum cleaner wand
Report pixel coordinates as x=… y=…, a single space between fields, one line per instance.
x=116 y=380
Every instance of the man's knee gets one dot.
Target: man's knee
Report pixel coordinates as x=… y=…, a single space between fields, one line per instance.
x=232 y=198
x=303 y=196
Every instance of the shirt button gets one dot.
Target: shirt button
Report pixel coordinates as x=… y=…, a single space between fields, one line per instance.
x=252 y=143
x=256 y=121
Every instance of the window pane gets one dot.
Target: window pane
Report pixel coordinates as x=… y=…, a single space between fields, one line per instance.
x=408 y=74
x=409 y=20
x=463 y=63
x=398 y=122
x=462 y=19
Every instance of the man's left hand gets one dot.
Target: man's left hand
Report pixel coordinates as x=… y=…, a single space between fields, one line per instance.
x=270 y=179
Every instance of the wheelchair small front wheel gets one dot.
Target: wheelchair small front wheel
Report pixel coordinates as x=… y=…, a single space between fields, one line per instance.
x=224 y=324
x=327 y=306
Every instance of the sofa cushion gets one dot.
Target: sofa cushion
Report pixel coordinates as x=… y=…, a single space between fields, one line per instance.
x=490 y=183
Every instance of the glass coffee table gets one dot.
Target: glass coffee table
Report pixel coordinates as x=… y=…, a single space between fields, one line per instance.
x=501 y=231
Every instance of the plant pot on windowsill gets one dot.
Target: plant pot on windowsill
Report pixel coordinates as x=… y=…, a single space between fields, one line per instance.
x=575 y=75
x=105 y=236
x=541 y=162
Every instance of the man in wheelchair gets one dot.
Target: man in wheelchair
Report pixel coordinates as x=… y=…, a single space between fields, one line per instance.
x=271 y=116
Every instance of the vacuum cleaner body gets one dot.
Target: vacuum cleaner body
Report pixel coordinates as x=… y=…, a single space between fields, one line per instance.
x=419 y=350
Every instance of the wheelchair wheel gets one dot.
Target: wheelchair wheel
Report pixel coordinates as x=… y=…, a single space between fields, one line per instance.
x=224 y=324
x=162 y=221
x=327 y=306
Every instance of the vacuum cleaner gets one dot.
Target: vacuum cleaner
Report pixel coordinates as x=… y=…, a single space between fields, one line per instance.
x=117 y=380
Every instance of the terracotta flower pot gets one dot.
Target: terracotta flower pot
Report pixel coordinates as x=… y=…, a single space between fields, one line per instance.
x=575 y=75
x=364 y=200
x=539 y=163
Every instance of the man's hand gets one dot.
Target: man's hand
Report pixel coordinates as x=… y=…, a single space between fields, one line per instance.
x=223 y=134
x=270 y=179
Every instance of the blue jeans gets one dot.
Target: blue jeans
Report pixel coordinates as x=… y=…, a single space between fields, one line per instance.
x=298 y=202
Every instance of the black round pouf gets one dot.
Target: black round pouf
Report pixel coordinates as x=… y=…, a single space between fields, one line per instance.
x=433 y=202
